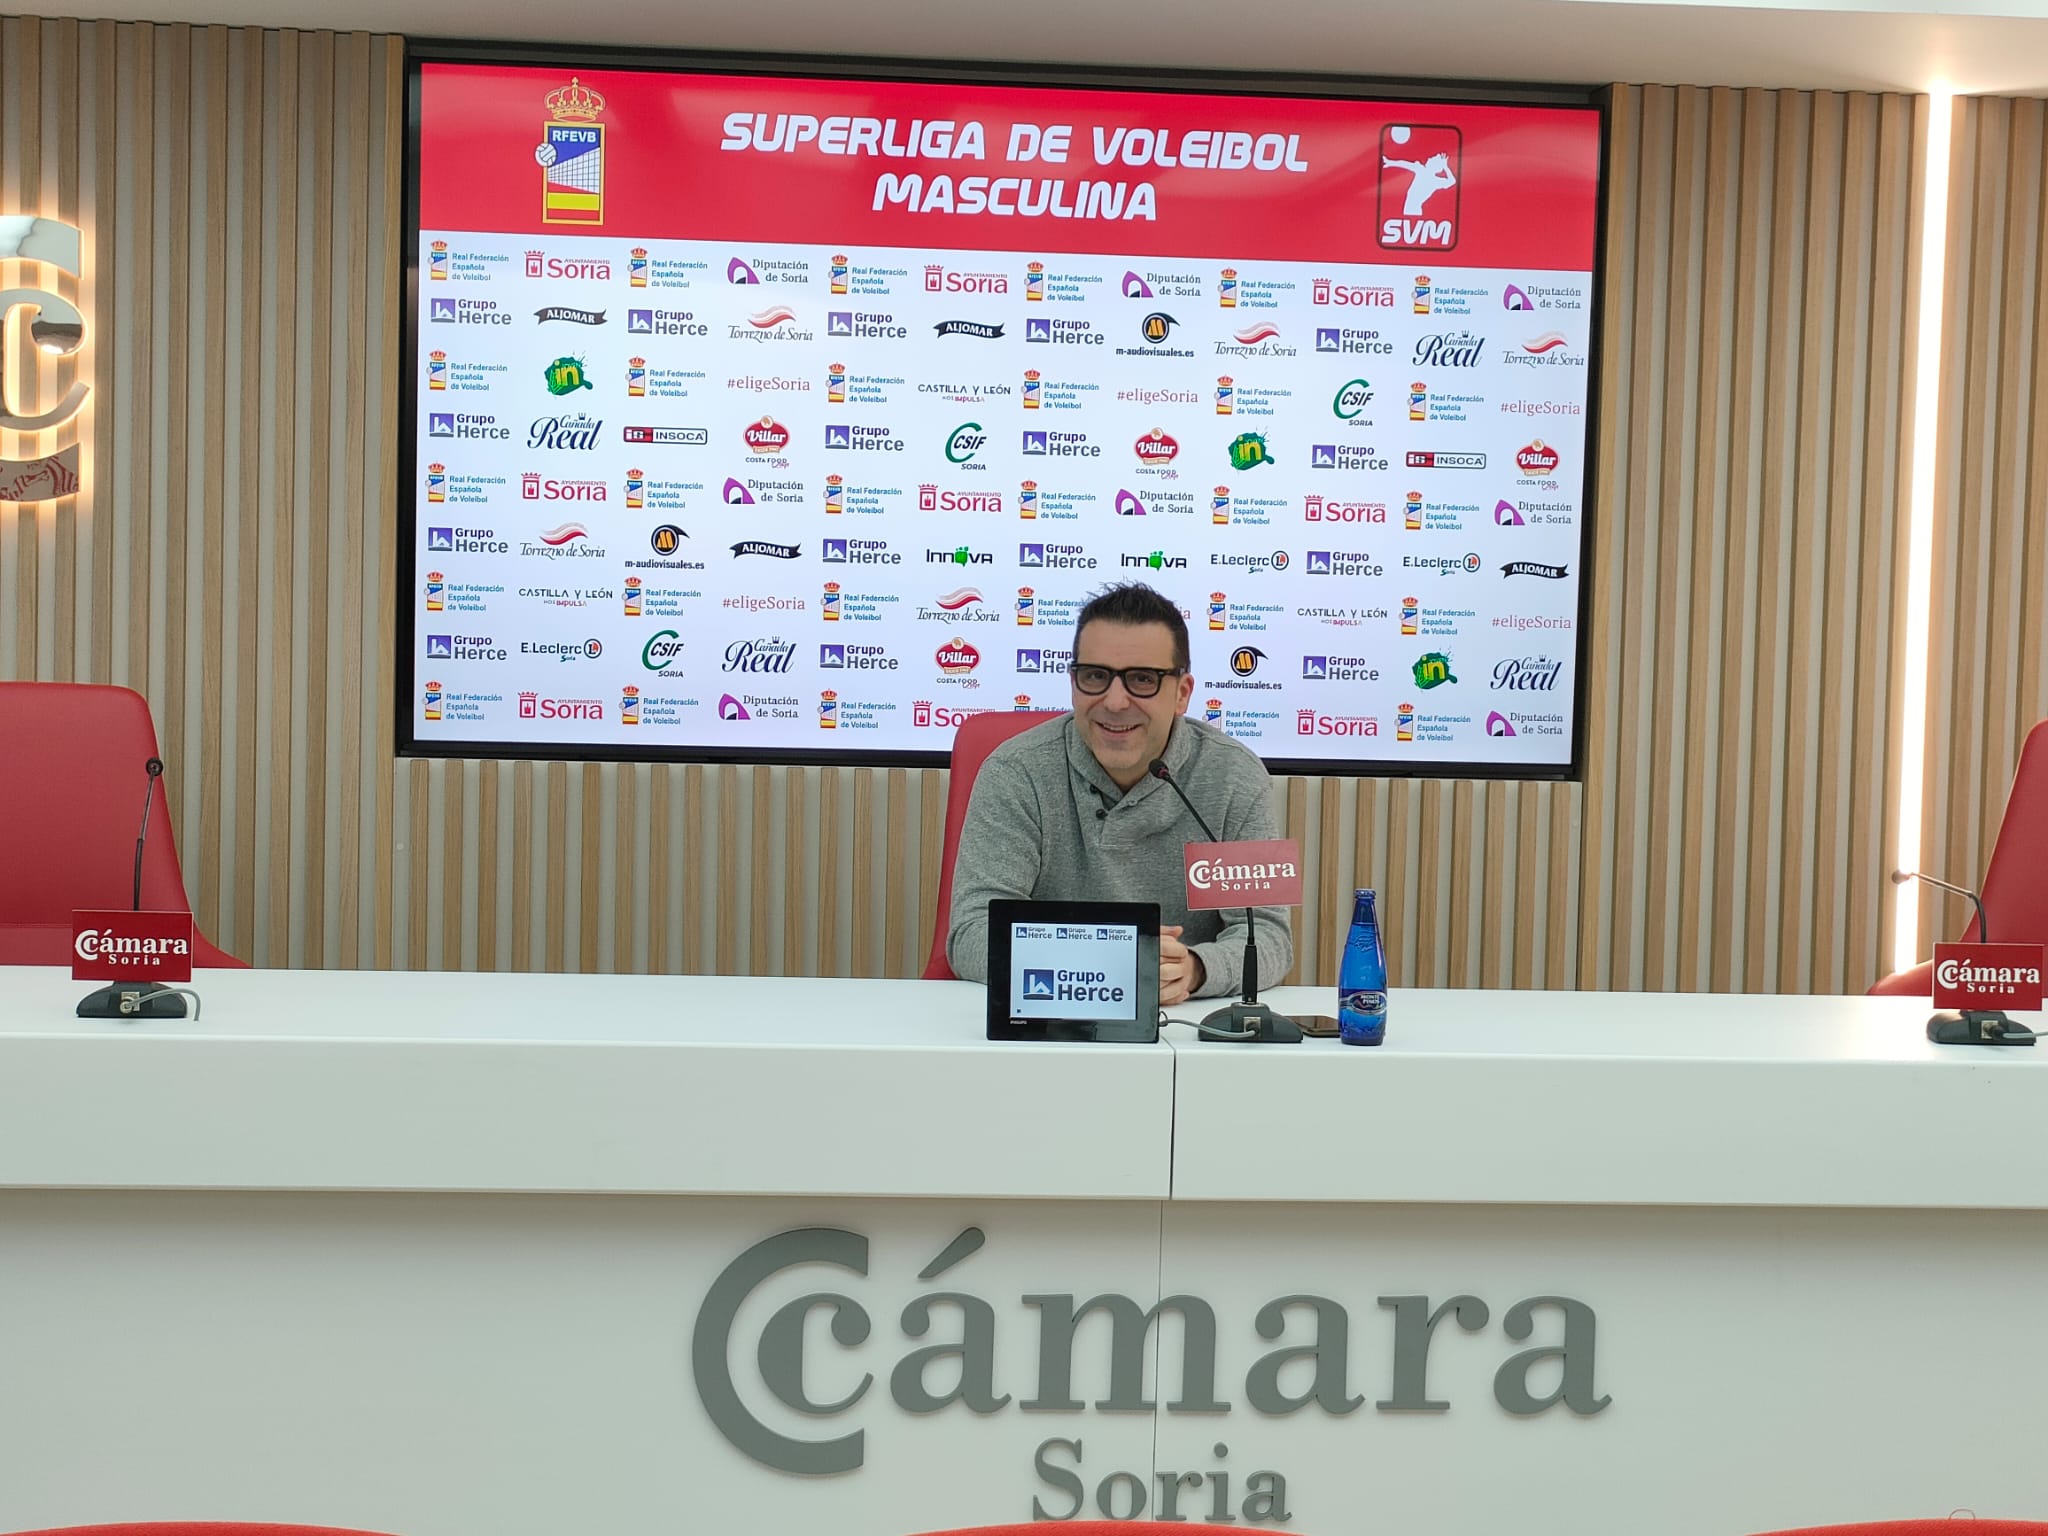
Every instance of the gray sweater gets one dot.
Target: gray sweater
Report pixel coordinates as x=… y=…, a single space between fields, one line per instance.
x=1032 y=831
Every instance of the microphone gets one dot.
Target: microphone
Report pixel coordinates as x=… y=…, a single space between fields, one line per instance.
x=1970 y=1026
x=1901 y=876
x=1248 y=1018
x=154 y=769
x=139 y=999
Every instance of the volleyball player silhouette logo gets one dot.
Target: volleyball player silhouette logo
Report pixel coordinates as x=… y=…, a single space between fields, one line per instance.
x=1420 y=172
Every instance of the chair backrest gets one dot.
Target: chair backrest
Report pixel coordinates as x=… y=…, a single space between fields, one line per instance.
x=71 y=774
x=1960 y=1526
x=196 y=1528
x=978 y=736
x=2015 y=888
x=2016 y=879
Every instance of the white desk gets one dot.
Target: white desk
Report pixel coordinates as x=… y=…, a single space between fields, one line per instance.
x=1575 y=1098
x=583 y=1084
x=447 y=1254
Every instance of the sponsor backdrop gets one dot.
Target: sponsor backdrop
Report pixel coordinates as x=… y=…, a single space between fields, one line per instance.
x=692 y=476
x=1731 y=830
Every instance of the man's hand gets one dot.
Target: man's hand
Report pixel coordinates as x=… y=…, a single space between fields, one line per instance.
x=1180 y=969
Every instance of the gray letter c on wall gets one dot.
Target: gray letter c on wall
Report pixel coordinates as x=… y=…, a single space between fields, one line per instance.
x=711 y=1349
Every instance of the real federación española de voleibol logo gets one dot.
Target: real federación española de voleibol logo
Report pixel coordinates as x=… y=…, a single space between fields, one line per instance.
x=571 y=156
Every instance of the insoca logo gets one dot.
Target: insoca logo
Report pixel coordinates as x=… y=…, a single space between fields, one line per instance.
x=54 y=328
x=932 y=1375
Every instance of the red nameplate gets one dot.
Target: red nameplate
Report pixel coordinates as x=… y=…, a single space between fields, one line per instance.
x=1266 y=874
x=131 y=946
x=1987 y=976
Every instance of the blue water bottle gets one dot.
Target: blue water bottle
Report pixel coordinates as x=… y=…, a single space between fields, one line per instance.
x=1362 y=978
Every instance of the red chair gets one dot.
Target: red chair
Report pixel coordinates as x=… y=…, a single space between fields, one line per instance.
x=1964 y=1525
x=196 y=1528
x=71 y=776
x=2015 y=888
x=978 y=736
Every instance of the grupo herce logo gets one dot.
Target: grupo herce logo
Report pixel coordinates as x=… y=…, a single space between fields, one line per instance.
x=571 y=156
x=47 y=465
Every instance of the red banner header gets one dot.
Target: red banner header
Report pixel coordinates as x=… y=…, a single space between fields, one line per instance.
x=648 y=155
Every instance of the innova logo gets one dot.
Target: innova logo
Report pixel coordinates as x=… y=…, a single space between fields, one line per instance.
x=960 y=1375
x=45 y=464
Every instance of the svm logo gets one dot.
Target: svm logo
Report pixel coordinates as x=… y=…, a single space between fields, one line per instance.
x=1419 y=165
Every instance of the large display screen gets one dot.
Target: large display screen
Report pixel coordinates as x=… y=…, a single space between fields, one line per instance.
x=763 y=416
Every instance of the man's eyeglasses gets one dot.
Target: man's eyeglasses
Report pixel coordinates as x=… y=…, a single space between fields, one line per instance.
x=1139 y=682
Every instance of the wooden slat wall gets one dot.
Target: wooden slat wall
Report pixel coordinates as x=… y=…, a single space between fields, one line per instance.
x=1745 y=636
x=1988 y=638
x=234 y=561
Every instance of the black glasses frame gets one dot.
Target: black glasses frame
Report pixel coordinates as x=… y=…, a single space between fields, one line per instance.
x=1125 y=675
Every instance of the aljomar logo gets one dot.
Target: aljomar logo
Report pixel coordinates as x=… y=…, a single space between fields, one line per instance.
x=932 y=1376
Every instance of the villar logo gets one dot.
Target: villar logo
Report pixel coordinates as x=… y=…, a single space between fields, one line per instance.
x=571 y=156
x=942 y=1373
x=48 y=466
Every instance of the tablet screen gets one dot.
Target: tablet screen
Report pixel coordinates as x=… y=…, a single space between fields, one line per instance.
x=1073 y=970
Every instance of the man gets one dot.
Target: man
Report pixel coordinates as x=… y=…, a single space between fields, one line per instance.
x=1068 y=811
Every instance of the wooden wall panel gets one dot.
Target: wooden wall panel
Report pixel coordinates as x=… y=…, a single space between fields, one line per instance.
x=1988 y=638
x=233 y=558
x=1746 y=628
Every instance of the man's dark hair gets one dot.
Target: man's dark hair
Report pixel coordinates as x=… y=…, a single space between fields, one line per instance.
x=1135 y=603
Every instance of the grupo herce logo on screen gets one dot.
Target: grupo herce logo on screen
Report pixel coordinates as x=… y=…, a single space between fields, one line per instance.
x=42 y=256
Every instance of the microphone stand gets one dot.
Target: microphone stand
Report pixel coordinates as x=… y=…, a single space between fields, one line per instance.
x=1247 y=1019
x=137 y=999
x=1970 y=1026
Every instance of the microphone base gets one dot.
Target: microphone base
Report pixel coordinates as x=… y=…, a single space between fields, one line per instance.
x=1977 y=1027
x=132 y=1000
x=1251 y=1024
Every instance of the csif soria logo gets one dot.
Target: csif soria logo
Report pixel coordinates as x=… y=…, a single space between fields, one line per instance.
x=571 y=156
